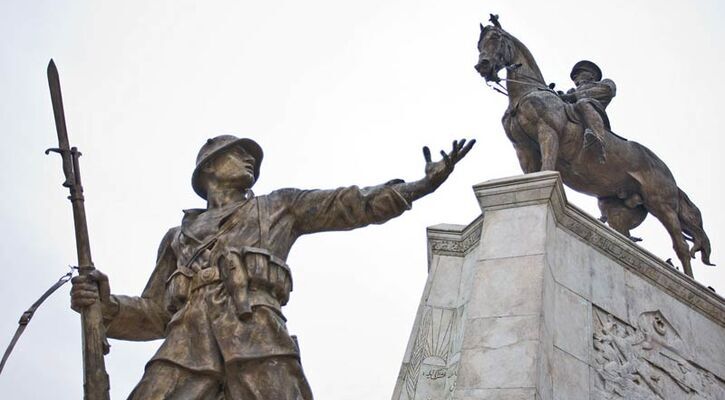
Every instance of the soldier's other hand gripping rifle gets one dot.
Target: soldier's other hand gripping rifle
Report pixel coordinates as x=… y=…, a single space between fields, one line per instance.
x=95 y=379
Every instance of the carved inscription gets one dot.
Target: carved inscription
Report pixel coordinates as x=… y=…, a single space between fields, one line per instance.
x=647 y=361
x=435 y=373
x=457 y=247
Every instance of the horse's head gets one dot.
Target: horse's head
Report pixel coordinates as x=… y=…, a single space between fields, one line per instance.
x=495 y=50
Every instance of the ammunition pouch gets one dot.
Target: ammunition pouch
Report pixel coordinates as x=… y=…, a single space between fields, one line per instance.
x=178 y=288
x=267 y=272
x=251 y=275
x=234 y=276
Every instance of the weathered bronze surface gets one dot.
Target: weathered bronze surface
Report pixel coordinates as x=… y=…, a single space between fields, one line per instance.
x=570 y=133
x=221 y=277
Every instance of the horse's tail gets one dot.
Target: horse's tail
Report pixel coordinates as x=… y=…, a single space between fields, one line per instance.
x=691 y=221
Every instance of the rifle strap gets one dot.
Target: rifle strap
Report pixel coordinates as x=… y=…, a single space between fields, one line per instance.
x=263 y=216
x=28 y=314
x=232 y=220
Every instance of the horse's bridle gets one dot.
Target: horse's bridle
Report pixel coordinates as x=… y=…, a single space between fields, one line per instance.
x=499 y=53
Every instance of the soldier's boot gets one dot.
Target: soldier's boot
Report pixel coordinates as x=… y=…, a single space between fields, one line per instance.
x=594 y=142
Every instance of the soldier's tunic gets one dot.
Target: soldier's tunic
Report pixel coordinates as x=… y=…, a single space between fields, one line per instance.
x=187 y=303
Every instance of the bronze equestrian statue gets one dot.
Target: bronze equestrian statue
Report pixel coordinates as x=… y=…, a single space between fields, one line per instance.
x=548 y=133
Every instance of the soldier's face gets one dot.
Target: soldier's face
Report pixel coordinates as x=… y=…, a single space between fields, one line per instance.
x=233 y=168
x=583 y=76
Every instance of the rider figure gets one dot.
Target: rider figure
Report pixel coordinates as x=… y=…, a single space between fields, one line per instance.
x=590 y=98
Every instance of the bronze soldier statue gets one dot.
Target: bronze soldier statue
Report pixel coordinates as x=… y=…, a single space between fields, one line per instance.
x=221 y=278
x=591 y=97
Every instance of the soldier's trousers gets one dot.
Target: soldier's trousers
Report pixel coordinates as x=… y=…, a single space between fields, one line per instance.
x=272 y=378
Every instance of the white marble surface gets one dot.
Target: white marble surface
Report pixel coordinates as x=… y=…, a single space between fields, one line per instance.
x=537 y=300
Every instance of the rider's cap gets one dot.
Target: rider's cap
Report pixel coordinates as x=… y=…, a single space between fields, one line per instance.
x=218 y=145
x=586 y=65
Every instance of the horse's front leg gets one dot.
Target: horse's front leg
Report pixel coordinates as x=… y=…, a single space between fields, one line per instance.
x=527 y=150
x=549 y=144
x=529 y=158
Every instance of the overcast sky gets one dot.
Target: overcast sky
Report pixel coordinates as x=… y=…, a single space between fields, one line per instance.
x=337 y=93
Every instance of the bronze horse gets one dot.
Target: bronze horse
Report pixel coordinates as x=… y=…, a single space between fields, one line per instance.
x=629 y=183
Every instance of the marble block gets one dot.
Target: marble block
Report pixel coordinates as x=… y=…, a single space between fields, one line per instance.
x=537 y=300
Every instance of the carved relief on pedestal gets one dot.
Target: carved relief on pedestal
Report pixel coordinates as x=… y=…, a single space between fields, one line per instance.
x=433 y=368
x=647 y=361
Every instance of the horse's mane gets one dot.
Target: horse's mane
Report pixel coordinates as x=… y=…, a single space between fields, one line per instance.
x=527 y=56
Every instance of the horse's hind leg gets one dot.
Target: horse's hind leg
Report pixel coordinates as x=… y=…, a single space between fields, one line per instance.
x=621 y=217
x=667 y=214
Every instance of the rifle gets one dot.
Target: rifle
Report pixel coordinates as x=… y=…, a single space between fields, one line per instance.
x=95 y=346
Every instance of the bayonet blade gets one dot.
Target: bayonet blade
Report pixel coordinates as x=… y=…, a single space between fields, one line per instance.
x=59 y=114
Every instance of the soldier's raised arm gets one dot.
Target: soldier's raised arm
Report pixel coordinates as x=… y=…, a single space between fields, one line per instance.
x=435 y=172
x=353 y=207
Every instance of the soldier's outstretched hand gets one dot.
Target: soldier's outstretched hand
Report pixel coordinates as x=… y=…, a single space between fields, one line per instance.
x=437 y=172
x=87 y=289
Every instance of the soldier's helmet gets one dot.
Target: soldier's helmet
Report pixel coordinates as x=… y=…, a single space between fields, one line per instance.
x=218 y=145
x=586 y=65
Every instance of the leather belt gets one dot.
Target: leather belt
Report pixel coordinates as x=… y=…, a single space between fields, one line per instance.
x=205 y=277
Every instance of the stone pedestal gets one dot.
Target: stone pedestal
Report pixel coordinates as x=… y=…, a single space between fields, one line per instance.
x=537 y=300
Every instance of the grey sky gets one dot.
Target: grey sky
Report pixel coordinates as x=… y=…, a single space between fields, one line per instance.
x=337 y=93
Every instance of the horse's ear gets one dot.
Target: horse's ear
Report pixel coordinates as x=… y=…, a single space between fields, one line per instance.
x=494 y=20
x=481 y=25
